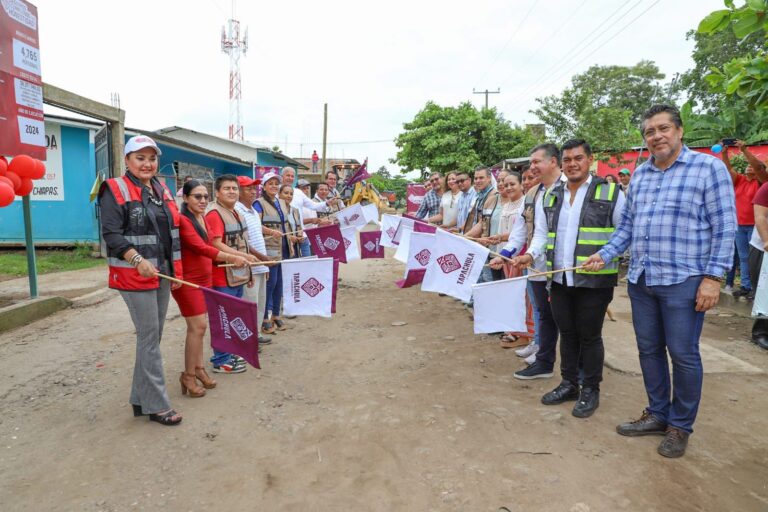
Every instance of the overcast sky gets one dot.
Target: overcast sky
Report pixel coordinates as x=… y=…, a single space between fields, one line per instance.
x=375 y=64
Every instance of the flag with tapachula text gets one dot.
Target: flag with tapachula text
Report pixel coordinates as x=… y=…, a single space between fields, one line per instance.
x=234 y=325
x=455 y=265
x=308 y=286
x=420 y=249
x=327 y=242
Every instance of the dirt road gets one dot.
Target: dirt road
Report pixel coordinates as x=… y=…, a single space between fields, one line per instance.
x=353 y=413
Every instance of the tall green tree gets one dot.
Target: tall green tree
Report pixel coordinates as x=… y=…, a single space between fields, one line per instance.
x=712 y=49
x=384 y=181
x=746 y=75
x=604 y=105
x=443 y=139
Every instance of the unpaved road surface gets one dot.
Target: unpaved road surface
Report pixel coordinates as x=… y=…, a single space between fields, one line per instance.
x=355 y=414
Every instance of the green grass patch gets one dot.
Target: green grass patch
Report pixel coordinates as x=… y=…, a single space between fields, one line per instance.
x=14 y=263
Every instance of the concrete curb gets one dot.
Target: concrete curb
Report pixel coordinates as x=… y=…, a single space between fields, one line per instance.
x=23 y=313
x=93 y=298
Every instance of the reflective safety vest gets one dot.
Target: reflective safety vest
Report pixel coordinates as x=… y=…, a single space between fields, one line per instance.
x=141 y=231
x=270 y=218
x=595 y=229
x=234 y=237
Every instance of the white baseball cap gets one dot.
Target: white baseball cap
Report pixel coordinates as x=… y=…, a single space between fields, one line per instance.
x=269 y=176
x=140 y=142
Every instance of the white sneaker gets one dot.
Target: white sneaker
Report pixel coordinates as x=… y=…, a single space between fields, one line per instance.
x=531 y=358
x=728 y=289
x=527 y=350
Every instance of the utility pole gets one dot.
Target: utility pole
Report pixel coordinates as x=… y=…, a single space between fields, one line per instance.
x=486 y=92
x=325 y=137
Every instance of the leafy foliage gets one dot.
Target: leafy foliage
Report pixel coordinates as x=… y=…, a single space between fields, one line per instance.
x=384 y=181
x=713 y=49
x=733 y=120
x=604 y=105
x=444 y=139
x=744 y=76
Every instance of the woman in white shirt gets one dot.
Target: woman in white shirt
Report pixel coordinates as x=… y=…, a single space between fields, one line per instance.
x=449 y=203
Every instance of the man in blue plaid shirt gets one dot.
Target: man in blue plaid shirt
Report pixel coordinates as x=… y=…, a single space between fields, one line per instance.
x=429 y=210
x=679 y=224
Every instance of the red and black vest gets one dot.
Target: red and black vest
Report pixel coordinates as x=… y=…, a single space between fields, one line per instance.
x=141 y=230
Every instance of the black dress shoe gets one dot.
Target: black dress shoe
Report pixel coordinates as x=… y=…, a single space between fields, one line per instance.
x=646 y=425
x=674 y=443
x=562 y=393
x=587 y=404
x=761 y=341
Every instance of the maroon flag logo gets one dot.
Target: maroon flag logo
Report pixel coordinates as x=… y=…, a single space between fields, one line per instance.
x=448 y=263
x=331 y=243
x=347 y=243
x=312 y=287
x=353 y=218
x=423 y=257
x=391 y=232
x=370 y=246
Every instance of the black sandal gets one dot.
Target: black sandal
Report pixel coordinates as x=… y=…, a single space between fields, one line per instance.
x=166 y=418
x=137 y=411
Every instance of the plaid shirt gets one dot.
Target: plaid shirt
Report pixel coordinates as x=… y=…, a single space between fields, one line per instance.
x=464 y=204
x=677 y=223
x=430 y=206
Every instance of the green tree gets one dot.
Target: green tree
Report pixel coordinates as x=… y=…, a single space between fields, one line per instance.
x=444 y=139
x=713 y=49
x=385 y=182
x=746 y=75
x=604 y=105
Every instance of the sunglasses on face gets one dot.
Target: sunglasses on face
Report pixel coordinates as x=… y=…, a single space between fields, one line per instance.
x=200 y=197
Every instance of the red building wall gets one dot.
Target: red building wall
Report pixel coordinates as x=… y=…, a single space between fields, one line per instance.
x=613 y=166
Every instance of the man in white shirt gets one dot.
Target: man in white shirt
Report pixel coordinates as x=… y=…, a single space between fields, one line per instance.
x=573 y=221
x=244 y=207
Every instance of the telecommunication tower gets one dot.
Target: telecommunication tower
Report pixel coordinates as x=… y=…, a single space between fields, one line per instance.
x=233 y=45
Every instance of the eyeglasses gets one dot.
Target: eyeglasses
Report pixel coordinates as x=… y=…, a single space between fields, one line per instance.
x=200 y=197
x=461 y=180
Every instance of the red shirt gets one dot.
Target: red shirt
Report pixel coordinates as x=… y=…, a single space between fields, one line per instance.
x=216 y=230
x=745 y=192
x=196 y=254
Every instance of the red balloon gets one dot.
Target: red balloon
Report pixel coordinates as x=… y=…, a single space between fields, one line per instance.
x=3 y=167
x=14 y=179
x=6 y=195
x=22 y=165
x=25 y=188
x=39 y=170
x=5 y=180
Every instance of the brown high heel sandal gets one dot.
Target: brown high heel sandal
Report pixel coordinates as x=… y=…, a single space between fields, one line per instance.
x=202 y=376
x=189 y=385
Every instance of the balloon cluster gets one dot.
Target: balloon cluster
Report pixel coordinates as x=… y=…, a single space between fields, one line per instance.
x=16 y=177
x=717 y=148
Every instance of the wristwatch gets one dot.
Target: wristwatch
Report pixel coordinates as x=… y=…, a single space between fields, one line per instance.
x=719 y=279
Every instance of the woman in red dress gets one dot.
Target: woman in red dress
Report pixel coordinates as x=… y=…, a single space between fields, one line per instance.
x=196 y=256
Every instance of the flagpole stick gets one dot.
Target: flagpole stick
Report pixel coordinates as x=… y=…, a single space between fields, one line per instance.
x=193 y=285
x=259 y=264
x=537 y=274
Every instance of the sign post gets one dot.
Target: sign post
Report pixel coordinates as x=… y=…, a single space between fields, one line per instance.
x=31 y=261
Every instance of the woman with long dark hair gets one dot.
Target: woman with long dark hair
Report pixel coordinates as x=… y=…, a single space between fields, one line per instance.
x=196 y=255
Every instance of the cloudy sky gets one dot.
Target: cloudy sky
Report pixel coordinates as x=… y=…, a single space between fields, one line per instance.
x=375 y=64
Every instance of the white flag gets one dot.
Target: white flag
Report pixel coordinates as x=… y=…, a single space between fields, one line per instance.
x=404 y=233
x=371 y=213
x=455 y=265
x=404 y=224
x=308 y=287
x=352 y=216
x=388 y=229
x=500 y=306
x=760 y=305
x=420 y=247
x=351 y=244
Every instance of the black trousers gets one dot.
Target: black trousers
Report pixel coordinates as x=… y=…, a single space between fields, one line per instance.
x=579 y=314
x=547 y=326
x=760 y=327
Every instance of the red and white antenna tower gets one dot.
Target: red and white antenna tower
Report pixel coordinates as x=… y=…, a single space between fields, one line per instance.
x=233 y=45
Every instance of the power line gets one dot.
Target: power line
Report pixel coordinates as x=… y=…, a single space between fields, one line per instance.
x=557 y=75
x=578 y=48
x=514 y=33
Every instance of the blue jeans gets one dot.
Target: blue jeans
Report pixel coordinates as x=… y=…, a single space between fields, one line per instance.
x=218 y=357
x=274 y=291
x=743 y=234
x=665 y=319
x=305 y=249
x=730 y=277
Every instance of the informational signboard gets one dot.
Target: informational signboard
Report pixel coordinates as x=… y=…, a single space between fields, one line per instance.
x=51 y=186
x=22 y=129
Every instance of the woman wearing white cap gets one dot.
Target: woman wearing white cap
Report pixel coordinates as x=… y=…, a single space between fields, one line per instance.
x=140 y=226
x=274 y=219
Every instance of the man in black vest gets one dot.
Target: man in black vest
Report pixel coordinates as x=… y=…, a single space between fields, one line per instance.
x=574 y=220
